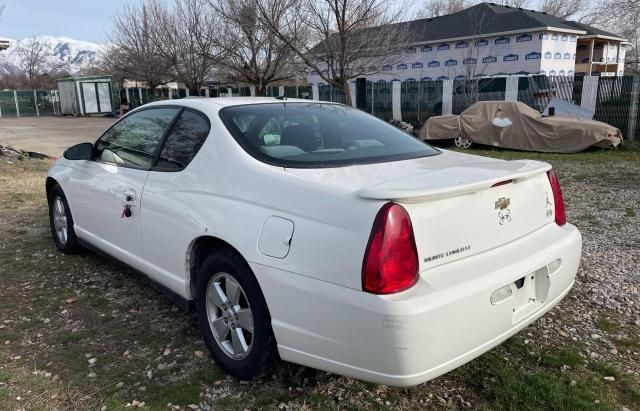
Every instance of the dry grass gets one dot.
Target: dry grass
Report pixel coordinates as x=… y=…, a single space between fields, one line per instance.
x=59 y=312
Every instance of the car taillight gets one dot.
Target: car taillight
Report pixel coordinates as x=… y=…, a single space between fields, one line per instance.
x=391 y=260
x=561 y=216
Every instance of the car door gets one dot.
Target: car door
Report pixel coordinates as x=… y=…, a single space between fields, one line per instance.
x=105 y=193
x=168 y=224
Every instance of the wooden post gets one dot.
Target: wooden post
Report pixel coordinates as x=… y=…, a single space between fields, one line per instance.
x=590 y=56
x=35 y=102
x=15 y=98
x=396 y=100
x=618 y=59
x=633 y=109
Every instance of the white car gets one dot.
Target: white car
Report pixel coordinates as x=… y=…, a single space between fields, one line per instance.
x=317 y=233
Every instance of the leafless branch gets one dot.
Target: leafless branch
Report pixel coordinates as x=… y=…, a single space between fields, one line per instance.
x=338 y=39
x=35 y=66
x=252 y=54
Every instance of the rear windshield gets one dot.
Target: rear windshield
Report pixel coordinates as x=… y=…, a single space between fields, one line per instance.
x=318 y=135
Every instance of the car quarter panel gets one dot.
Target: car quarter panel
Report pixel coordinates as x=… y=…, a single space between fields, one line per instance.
x=226 y=193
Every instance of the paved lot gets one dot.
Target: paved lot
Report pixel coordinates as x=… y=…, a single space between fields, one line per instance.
x=50 y=135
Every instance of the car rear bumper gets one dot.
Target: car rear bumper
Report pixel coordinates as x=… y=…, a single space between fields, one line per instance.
x=444 y=321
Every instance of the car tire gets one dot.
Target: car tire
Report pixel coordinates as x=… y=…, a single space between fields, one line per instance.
x=61 y=222
x=226 y=289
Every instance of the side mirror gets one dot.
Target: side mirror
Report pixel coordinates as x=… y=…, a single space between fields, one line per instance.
x=82 y=151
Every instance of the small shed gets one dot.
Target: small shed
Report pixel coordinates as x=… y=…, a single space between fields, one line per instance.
x=86 y=95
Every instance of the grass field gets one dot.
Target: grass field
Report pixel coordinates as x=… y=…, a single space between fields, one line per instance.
x=78 y=332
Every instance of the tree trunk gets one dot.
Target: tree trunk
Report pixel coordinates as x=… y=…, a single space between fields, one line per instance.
x=261 y=89
x=346 y=90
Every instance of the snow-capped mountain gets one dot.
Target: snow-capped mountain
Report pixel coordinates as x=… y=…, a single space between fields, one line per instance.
x=76 y=54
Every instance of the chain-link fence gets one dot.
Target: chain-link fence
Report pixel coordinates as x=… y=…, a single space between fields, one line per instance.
x=24 y=103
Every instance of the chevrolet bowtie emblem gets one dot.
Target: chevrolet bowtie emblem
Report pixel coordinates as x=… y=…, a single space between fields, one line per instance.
x=502 y=203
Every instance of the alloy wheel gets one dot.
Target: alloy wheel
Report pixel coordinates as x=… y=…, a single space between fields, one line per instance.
x=462 y=142
x=229 y=315
x=60 y=220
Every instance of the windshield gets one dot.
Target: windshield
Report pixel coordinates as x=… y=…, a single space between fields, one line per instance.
x=318 y=135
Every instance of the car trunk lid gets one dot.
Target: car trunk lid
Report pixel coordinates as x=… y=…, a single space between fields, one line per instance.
x=463 y=210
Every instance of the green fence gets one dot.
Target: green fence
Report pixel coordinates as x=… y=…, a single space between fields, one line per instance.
x=420 y=100
x=24 y=103
x=617 y=101
x=615 y=98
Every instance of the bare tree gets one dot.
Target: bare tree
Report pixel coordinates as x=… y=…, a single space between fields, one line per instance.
x=473 y=61
x=624 y=15
x=338 y=39
x=253 y=55
x=134 y=44
x=523 y=4
x=34 y=67
x=584 y=11
x=436 y=8
x=187 y=36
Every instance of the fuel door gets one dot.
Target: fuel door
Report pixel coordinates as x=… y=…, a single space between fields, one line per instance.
x=275 y=237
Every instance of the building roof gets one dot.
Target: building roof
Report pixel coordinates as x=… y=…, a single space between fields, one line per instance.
x=485 y=19
x=594 y=31
x=490 y=18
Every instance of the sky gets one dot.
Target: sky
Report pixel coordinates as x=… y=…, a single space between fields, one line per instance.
x=86 y=20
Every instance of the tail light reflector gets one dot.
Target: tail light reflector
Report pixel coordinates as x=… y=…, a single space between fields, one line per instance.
x=391 y=259
x=561 y=216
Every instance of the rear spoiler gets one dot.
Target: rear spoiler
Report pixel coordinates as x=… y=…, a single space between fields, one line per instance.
x=452 y=181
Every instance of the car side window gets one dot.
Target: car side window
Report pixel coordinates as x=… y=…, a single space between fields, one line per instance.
x=183 y=141
x=133 y=141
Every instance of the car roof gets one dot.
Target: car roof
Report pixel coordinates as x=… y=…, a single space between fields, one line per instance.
x=210 y=102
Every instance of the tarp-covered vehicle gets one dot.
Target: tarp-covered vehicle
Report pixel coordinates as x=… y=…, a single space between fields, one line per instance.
x=514 y=125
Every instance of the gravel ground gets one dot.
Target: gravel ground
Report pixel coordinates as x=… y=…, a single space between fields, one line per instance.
x=78 y=332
